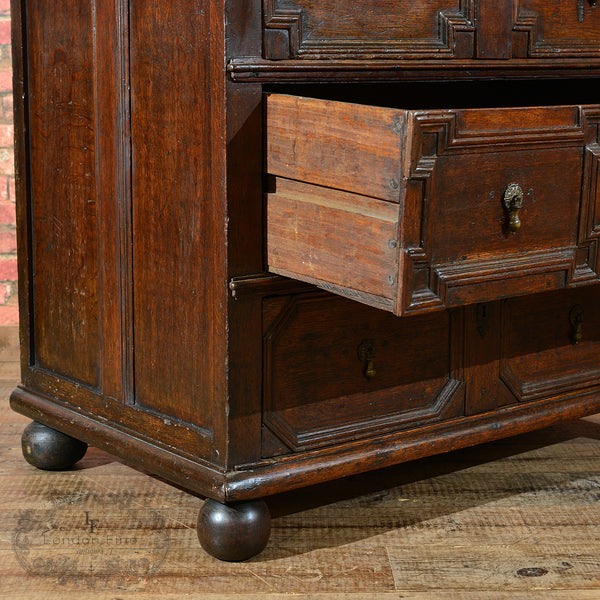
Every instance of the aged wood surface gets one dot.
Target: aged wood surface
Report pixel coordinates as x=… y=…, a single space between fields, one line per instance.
x=306 y=411
x=333 y=236
x=450 y=172
x=141 y=213
x=511 y=520
x=355 y=148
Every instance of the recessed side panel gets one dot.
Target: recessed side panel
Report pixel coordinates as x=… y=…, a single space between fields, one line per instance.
x=178 y=222
x=65 y=197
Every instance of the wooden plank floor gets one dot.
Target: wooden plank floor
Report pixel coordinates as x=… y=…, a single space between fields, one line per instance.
x=514 y=519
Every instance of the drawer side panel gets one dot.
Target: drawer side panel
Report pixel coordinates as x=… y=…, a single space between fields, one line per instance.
x=350 y=147
x=339 y=238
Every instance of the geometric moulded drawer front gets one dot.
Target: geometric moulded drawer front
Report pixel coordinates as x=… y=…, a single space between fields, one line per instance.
x=556 y=29
x=551 y=344
x=411 y=210
x=336 y=371
x=389 y=29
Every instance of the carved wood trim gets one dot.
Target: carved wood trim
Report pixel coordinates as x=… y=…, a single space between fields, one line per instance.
x=126 y=201
x=541 y=387
x=318 y=437
x=587 y=261
x=258 y=70
x=448 y=281
x=536 y=389
x=527 y=25
x=443 y=405
x=430 y=287
x=282 y=31
x=433 y=134
x=284 y=38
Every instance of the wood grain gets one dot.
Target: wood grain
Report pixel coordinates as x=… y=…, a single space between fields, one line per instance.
x=315 y=387
x=64 y=197
x=350 y=147
x=385 y=28
x=459 y=526
x=453 y=246
x=150 y=328
x=172 y=179
x=333 y=236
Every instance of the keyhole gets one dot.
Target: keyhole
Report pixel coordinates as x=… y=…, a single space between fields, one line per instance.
x=482 y=320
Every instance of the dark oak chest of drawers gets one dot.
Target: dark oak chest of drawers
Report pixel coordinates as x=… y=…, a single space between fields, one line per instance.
x=269 y=244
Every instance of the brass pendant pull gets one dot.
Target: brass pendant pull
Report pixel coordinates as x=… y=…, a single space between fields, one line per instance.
x=576 y=321
x=513 y=201
x=366 y=353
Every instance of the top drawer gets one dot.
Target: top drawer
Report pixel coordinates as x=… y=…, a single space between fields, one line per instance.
x=412 y=210
x=441 y=29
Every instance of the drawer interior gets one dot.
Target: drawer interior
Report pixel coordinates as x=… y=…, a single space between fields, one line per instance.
x=421 y=95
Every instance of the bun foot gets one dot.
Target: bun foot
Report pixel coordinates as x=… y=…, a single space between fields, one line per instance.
x=51 y=450
x=234 y=532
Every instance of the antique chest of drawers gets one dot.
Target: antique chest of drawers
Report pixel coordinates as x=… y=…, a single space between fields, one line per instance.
x=266 y=244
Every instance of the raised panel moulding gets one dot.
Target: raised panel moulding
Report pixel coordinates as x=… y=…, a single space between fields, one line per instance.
x=289 y=32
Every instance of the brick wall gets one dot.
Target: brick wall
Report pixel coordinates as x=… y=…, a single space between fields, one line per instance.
x=8 y=244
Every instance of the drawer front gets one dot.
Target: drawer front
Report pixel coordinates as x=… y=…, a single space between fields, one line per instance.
x=441 y=29
x=551 y=345
x=494 y=204
x=545 y=29
x=336 y=370
x=420 y=210
x=378 y=28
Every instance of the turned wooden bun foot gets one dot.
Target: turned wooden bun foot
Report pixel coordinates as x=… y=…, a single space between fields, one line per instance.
x=51 y=450
x=234 y=532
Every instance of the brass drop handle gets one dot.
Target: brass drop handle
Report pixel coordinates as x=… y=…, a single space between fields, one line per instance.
x=576 y=321
x=581 y=8
x=366 y=354
x=513 y=201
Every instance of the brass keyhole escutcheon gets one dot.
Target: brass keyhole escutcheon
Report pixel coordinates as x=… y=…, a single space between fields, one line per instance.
x=513 y=201
x=576 y=321
x=366 y=354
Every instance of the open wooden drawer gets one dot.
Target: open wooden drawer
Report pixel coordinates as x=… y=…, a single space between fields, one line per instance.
x=413 y=210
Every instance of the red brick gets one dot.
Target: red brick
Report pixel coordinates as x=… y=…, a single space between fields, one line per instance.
x=5 y=7
x=6 y=291
x=5 y=80
x=7 y=161
x=5 y=32
x=6 y=109
x=8 y=269
x=8 y=241
x=4 y=189
x=7 y=214
x=9 y=315
x=7 y=135
x=7 y=187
